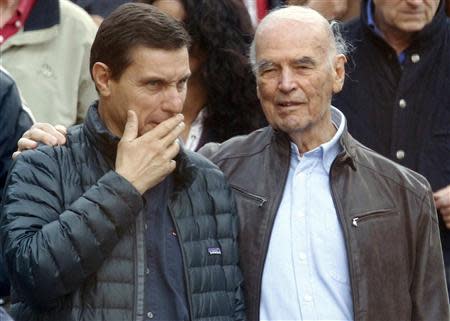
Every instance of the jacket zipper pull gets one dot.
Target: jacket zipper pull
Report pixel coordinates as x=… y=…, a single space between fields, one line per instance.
x=355 y=222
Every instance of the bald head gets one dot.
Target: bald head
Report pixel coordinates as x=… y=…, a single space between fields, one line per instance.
x=298 y=19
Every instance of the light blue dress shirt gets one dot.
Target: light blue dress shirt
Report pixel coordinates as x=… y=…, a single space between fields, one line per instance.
x=306 y=274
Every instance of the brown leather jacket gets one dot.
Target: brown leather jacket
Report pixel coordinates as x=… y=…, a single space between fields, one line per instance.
x=386 y=212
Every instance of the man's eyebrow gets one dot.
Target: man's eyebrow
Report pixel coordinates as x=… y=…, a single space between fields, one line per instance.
x=264 y=64
x=305 y=61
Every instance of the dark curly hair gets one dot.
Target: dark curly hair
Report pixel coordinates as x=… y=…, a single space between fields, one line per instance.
x=223 y=30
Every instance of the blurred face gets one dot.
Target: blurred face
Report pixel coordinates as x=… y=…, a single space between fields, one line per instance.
x=296 y=75
x=154 y=86
x=406 y=16
x=173 y=8
x=330 y=9
x=176 y=10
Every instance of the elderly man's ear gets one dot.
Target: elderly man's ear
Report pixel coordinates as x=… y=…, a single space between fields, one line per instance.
x=339 y=72
x=102 y=78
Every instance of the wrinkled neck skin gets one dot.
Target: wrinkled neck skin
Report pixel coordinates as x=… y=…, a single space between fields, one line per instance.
x=310 y=138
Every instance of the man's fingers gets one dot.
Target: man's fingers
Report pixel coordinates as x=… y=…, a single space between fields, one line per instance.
x=166 y=126
x=173 y=135
x=131 y=127
x=45 y=133
x=15 y=154
x=442 y=197
x=172 y=150
x=32 y=137
x=63 y=131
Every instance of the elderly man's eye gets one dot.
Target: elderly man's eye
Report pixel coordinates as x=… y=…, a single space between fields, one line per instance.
x=268 y=72
x=182 y=84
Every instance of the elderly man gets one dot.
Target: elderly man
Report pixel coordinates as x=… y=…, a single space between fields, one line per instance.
x=120 y=224
x=330 y=230
x=396 y=93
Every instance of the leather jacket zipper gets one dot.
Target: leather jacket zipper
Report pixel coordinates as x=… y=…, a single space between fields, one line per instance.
x=259 y=199
x=358 y=219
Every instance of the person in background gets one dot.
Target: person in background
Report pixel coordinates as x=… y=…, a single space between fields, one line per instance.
x=99 y=9
x=396 y=93
x=45 y=45
x=221 y=99
x=340 y=10
x=120 y=223
x=15 y=119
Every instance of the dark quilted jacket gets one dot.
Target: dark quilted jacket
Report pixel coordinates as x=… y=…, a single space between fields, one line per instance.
x=73 y=239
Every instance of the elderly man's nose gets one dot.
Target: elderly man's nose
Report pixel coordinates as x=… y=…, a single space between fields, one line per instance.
x=414 y=3
x=287 y=81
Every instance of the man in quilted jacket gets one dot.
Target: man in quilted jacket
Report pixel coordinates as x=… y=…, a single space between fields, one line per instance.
x=120 y=223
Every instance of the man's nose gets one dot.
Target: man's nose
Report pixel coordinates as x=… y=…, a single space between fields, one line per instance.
x=287 y=81
x=414 y=3
x=173 y=100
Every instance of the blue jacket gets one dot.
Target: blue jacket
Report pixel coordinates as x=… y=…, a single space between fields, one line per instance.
x=14 y=121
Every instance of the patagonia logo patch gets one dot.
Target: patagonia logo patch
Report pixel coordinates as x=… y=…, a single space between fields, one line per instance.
x=214 y=251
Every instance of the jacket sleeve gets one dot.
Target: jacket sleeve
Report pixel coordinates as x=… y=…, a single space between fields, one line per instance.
x=428 y=288
x=13 y=123
x=50 y=248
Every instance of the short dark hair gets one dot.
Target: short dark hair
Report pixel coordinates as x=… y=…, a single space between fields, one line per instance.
x=132 y=25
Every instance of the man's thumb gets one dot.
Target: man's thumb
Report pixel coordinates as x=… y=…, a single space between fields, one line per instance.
x=131 y=127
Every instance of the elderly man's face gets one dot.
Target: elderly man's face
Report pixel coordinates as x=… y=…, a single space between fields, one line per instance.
x=296 y=75
x=154 y=86
x=405 y=15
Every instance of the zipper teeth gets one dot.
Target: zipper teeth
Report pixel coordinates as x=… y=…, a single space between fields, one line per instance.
x=186 y=275
x=261 y=200
x=382 y=212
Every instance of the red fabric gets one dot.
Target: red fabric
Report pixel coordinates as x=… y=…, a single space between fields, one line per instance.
x=17 y=20
x=261 y=8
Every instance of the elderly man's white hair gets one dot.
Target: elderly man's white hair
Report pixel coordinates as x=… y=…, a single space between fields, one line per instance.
x=303 y=14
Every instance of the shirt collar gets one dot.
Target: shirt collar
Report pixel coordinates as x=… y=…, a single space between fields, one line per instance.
x=370 y=18
x=371 y=23
x=328 y=151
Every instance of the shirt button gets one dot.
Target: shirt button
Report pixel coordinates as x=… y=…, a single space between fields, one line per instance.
x=147 y=271
x=150 y=315
x=402 y=103
x=400 y=154
x=307 y=298
x=302 y=256
x=146 y=226
x=18 y=24
x=415 y=58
